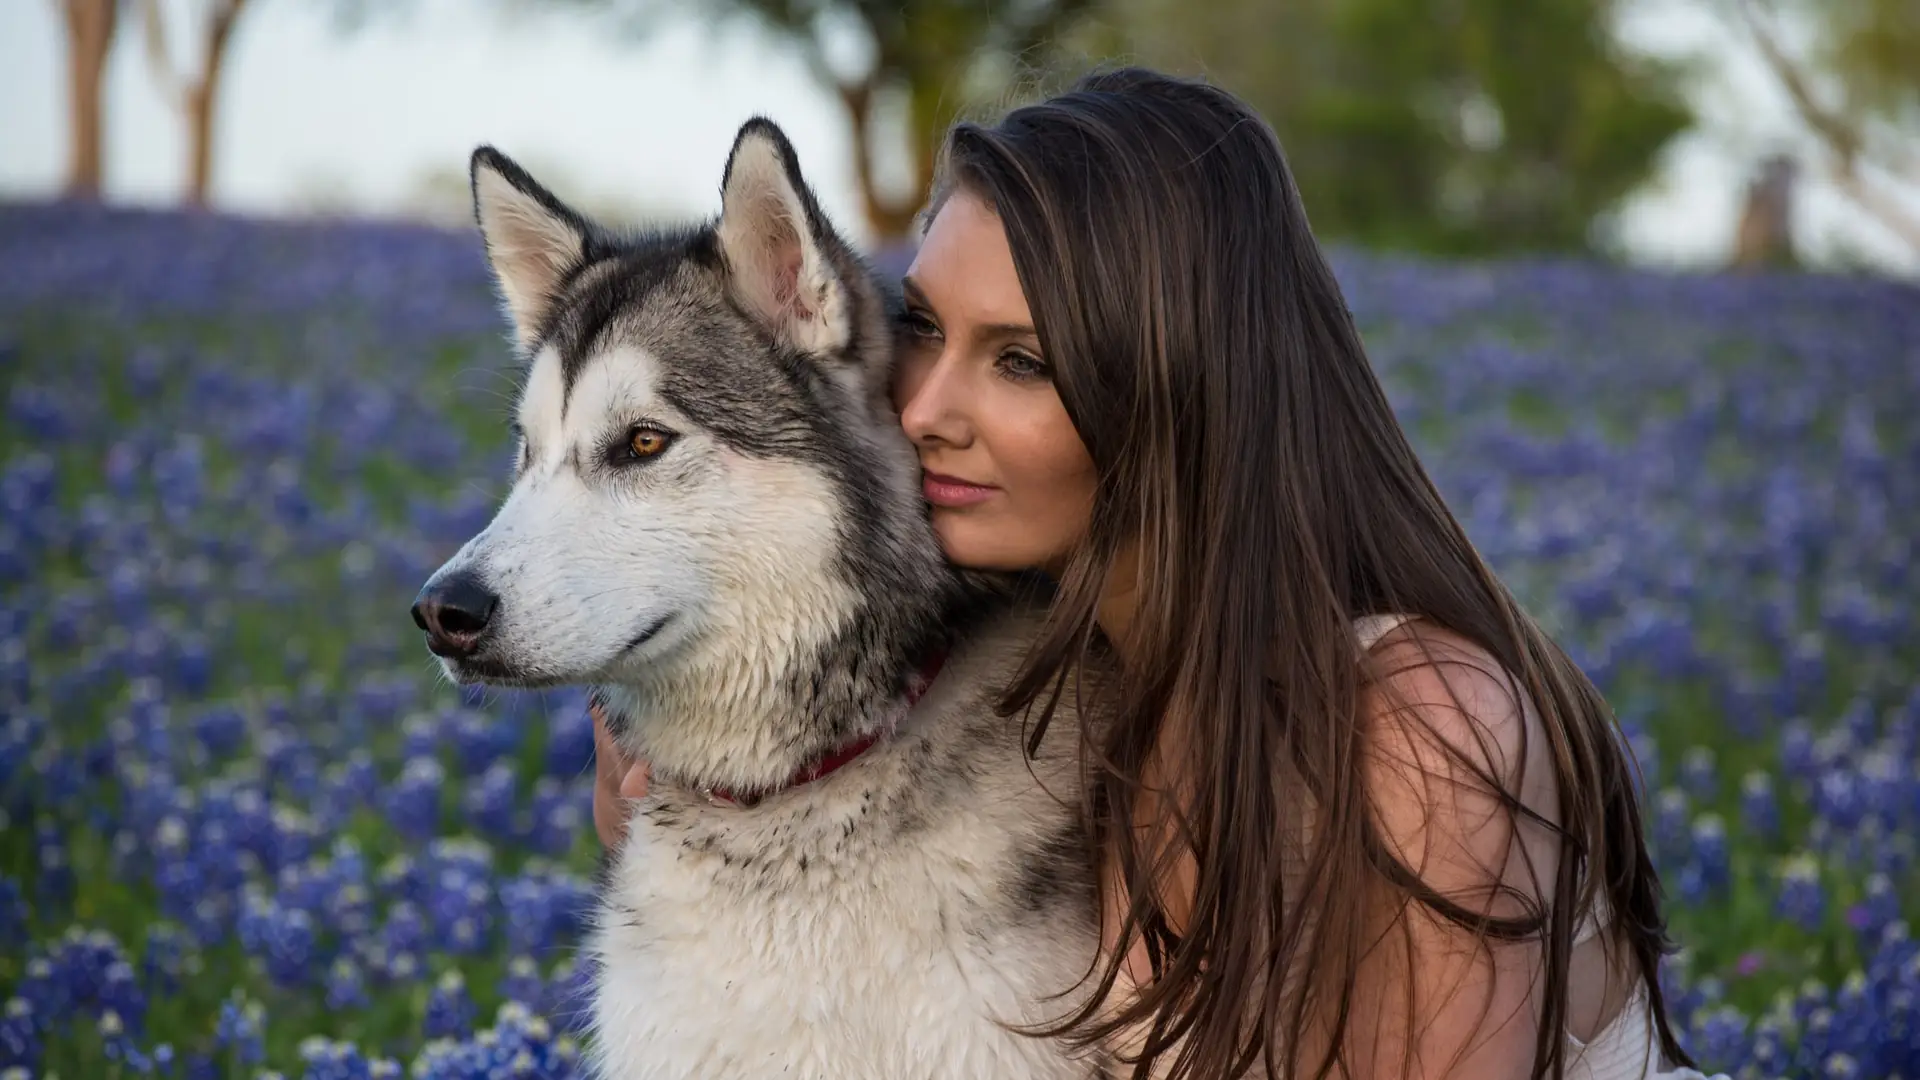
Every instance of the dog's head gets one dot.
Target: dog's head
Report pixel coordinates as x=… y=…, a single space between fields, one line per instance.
x=712 y=497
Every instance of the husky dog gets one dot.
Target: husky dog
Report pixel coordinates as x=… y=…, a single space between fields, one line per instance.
x=847 y=865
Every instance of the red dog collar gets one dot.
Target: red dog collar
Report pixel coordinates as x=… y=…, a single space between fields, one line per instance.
x=916 y=689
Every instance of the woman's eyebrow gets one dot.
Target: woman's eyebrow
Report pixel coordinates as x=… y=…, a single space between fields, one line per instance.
x=987 y=330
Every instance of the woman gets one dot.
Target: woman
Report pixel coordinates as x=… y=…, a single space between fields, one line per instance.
x=1359 y=817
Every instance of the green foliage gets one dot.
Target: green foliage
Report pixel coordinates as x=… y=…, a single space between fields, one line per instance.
x=930 y=60
x=1455 y=126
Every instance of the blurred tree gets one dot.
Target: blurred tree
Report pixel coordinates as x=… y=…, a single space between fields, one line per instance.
x=194 y=95
x=1856 y=89
x=920 y=63
x=1450 y=126
x=91 y=26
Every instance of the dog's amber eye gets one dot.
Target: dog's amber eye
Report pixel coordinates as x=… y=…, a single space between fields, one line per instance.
x=646 y=442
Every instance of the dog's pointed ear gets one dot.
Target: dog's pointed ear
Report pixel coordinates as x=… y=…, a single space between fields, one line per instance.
x=533 y=239
x=778 y=245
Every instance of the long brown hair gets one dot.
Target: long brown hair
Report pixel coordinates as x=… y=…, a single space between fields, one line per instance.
x=1251 y=467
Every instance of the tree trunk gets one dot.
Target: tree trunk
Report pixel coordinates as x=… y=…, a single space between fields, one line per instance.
x=199 y=109
x=890 y=219
x=1764 y=237
x=202 y=95
x=90 y=30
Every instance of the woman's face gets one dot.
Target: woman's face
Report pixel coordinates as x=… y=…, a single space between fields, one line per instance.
x=1008 y=478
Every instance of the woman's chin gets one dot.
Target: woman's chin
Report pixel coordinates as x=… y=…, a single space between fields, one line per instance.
x=981 y=543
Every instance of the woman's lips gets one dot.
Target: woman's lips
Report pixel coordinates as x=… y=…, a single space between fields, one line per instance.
x=953 y=492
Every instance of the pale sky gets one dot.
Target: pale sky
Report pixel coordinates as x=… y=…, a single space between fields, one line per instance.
x=359 y=122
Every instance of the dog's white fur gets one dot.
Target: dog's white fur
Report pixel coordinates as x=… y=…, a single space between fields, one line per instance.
x=869 y=953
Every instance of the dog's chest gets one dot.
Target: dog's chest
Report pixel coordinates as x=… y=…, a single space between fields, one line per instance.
x=876 y=935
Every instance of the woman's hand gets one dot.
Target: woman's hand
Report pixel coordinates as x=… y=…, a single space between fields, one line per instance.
x=617 y=778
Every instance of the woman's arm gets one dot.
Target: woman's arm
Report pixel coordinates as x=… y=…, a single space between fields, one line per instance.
x=617 y=779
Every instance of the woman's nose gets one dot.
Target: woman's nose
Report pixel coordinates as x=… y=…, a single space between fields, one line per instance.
x=932 y=409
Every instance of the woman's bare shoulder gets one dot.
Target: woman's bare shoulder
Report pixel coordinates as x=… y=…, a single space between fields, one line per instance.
x=1449 y=735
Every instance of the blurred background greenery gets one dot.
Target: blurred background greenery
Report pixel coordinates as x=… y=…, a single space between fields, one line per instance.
x=1455 y=127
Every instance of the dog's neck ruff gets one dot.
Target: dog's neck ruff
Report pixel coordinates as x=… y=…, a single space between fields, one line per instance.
x=807 y=774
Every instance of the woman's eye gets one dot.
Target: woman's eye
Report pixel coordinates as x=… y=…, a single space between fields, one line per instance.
x=1022 y=366
x=916 y=324
x=647 y=442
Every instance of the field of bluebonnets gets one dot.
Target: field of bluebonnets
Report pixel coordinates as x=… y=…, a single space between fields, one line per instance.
x=247 y=828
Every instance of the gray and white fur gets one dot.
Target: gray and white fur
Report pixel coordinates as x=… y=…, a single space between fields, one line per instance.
x=745 y=600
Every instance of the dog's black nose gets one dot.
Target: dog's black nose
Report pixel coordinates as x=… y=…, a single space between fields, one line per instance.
x=454 y=612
